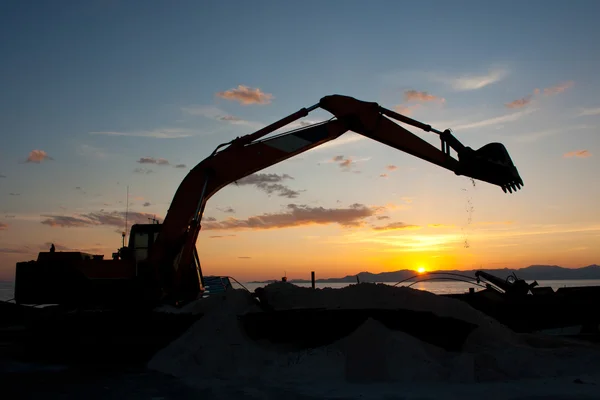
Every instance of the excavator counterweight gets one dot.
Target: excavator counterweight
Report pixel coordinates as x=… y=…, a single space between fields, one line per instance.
x=164 y=262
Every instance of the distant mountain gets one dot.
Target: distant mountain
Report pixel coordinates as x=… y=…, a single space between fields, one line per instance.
x=531 y=273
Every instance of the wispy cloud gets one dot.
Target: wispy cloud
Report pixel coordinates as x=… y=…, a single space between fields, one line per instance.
x=16 y=250
x=522 y=102
x=346 y=163
x=395 y=226
x=2 y=176
x=589 y=111
x=152 y=160
x=473 y=82
x=221 y=236
x=534 y=136
x=299 y=215
x=217 y=114
x=561 y=87
x=343 y=162
x=180 y=166
x=345 y=139
x=578 y=154
x=416 y=96
x=165 y=133
x=246 y=95
x=406 y=109
x=143 y=171
x=496 y=120
x=3 y=226
x=37 y=156
x=391 y=167
x=270 y=183
x=85 y=150
x=113 y=218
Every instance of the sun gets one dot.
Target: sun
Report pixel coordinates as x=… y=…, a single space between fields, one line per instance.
x=421 y=269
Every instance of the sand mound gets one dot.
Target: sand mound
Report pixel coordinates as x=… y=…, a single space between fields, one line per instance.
x=216 y=349
x=284 y=295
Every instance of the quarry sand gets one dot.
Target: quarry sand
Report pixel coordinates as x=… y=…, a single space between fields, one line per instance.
x=216 y=351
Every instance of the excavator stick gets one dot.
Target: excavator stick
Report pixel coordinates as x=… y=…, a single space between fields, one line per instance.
x=491 y=163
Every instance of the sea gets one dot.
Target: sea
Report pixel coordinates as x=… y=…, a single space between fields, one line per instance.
x=438 y=287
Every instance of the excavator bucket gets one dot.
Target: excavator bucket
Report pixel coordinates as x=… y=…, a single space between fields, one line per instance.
x=491 y=163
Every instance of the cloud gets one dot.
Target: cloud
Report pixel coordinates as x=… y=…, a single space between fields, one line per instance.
x=534 y=136
x=3 y=226
x=65 y=221
x=406 y=110
x=520 y=102
x=152 y=160
x=496 y=120
x=395 y=226
x=346 y=138
x=589 y=111
x=547 y=91
x=5 y=250
x=416 y=96
x=391 y=167
x=217 y=114
x=180 y=166
x=143 y=171
x=113 y=218
x=383 y=175
x=246 y=95
x=346 y=163
x=578 y=154
x=221 y=236
x=147 y=204
x=37 y=156
x=2 y=176
x=228 y=210
x=474 y=82
x=86 y=150
x=299 y=215
x=269 y=183
x=164 y=133
x=561 y=87
x=244 y=257
x=439 y=226
x=382 y=217
x=14 y=194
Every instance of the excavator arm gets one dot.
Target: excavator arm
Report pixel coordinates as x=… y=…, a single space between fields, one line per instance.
x=172 y=262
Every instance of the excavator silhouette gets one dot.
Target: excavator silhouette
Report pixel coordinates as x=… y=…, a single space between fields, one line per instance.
x=161 y=265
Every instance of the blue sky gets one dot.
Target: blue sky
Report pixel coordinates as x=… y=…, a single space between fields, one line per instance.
x=92 y=84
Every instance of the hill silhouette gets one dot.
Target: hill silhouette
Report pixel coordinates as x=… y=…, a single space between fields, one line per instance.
x=533 y=272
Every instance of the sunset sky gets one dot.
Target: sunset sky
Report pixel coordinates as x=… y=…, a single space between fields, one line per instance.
x=101 y=95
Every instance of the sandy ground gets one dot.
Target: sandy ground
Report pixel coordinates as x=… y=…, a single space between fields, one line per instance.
x=143 y=384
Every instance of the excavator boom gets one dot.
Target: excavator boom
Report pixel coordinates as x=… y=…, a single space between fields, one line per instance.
x=171 y=260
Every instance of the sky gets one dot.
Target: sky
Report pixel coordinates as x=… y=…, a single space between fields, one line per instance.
x=105 y=97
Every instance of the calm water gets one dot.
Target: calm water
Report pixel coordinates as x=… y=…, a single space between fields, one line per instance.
x=6 y=288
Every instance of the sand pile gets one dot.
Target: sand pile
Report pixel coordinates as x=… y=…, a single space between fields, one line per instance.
x=284 y=295
x=216 y=349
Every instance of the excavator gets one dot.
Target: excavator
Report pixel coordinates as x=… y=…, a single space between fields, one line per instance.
x=160 y=265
